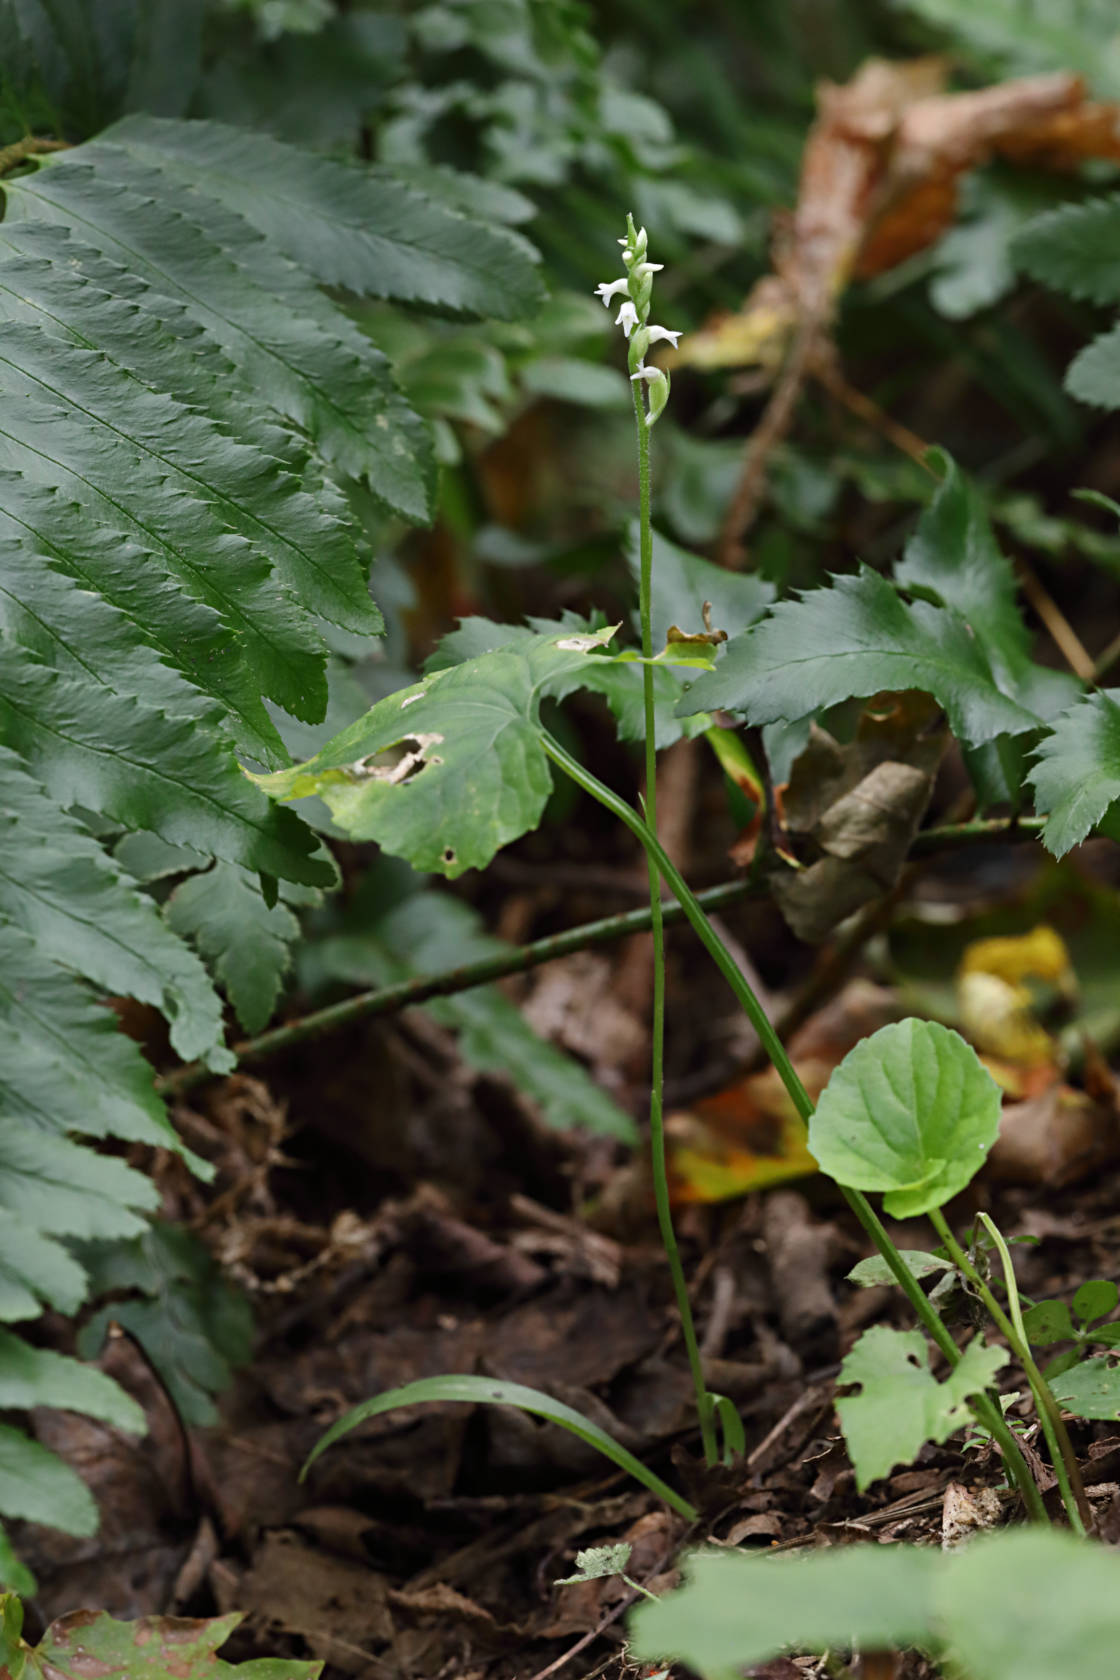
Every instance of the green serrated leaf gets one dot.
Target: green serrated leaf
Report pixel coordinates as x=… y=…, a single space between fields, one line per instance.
x=36 y=1485
x=147 y=770
x=901 y=1405
x=146 y=346
x=50 y=1184
x=596 y=1563
x=15 y=1577
x=853 y=640
x=1076 y=773
x=152 y=1648
x=954 y=557
x=289 y=343
x=1074 y=249
x=911 y=1111
x=468 y=773
x=63 y=1064
x=347 y=226
x=58 y=885
x=194 y=1326
x=1046 y=1322
x=1091 y=1389
x=474 y=1390
x=1092 y=375
x=141 y=625
x=247 y=944
x=874 y=1270
x=34 y=1270
x=31 y=1376
x=1096 y=1299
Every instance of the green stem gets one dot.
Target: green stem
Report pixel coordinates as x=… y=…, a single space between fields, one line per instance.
x=984 y=1408
x=1049 y=1413
x=406 y=994
x=658 y=1162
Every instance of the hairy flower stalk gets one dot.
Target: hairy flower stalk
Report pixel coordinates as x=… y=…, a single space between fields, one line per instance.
x=635 y=288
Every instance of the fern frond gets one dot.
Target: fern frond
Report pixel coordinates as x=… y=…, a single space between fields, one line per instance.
x=362 y=232
x=291 y=346
x=247 y=943
x=85 y=914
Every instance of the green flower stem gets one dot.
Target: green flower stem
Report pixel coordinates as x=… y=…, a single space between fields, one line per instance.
x=985 y=1410
x=657 y=928
x=1049 y=1412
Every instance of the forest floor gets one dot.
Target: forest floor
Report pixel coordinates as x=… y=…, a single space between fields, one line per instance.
x=395 y=1217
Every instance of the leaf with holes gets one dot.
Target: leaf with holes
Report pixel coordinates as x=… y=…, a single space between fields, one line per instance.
x=90 y=1642
x=911 y=1111
x=448 y=771
x=900 y=1404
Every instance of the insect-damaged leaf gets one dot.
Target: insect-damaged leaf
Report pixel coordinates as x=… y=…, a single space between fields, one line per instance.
x=448 y=771
x=901 y=1405
x=88 y=1642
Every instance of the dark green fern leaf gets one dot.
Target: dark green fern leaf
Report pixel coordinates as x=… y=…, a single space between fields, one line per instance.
x=290 y=344
x=350 y=228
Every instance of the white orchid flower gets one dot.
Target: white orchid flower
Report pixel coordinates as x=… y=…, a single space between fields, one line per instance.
x=609 y=289
x=658 y=333
x=627 y=318
x=648 y=268
x=650 y=373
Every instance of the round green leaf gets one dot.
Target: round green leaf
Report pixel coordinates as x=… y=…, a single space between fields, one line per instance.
x=912 y=1111
x=1095 y=1299
x=1046 y=1322
x=1091 y=1389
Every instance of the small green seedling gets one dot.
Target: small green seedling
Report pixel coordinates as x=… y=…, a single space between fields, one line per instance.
x=596 y=1563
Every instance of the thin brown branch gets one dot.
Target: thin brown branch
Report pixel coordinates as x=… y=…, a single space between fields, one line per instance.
x=1062 y=633
x=772 y=428
x=30 y=146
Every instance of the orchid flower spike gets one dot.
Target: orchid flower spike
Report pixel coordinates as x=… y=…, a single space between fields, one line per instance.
x=635 y=289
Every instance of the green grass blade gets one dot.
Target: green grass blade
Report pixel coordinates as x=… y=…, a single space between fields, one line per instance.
x=489 y=1391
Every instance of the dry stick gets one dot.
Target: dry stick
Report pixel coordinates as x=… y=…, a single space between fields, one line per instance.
x=29 y=146
x=826 y=370
x=405 y=994
x=520 y=959
x=1062 y=634
x=777 y=418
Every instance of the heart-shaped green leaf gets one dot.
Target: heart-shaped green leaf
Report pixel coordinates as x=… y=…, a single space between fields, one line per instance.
x=912 y=1111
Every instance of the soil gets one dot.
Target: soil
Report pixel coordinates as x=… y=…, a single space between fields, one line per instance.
x=393 y=1216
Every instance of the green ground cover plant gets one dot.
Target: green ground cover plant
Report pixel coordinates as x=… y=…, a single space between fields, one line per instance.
x=911 y=1112
x=234 y=366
